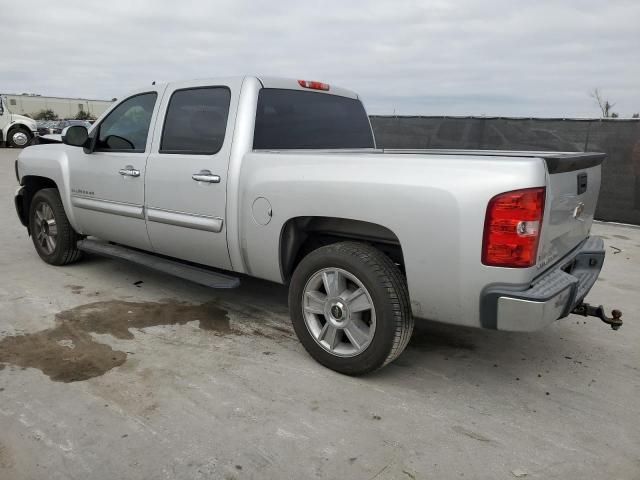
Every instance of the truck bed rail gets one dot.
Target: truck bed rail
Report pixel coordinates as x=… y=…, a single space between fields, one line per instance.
x=557 y=162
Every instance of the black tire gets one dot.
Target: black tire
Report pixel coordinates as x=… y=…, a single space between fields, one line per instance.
x=12 y=143
x=388 y=291
x=65 y=250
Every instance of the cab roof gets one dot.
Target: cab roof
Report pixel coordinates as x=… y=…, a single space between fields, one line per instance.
x=294 y=84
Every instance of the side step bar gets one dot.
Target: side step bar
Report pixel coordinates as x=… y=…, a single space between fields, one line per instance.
x=202 y=276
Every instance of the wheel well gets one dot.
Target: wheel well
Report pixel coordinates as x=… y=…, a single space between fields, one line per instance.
x=302 y=235
x=32 y=184
x=18 y=126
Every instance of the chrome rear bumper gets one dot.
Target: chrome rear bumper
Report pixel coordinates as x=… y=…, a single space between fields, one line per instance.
x=552 y=296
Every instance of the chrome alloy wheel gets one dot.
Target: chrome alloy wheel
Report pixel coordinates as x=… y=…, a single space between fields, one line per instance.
x=338 y=312
x=20 y=139
x=46 y=230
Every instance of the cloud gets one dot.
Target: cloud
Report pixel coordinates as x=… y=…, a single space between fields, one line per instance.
x=497 y=57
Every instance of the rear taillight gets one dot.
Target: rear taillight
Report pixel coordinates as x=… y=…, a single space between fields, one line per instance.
x=314 y=85
x=512 y=228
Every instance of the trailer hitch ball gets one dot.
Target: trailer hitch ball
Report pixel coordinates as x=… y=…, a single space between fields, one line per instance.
x=586 y=310
x=617 y=317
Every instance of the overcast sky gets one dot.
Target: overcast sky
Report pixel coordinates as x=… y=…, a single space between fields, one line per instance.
x=411 y=57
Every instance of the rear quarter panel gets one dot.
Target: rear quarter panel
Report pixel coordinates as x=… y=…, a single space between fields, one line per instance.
x=434 y=205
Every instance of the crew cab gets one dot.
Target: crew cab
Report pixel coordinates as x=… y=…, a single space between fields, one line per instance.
x=281 y=179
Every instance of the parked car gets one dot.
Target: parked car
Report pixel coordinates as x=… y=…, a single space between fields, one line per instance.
x=46 y=127
x=281 y=179
x=62 y=124
x=51 y=131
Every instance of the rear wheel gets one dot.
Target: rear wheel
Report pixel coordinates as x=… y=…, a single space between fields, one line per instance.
x=53 y=236
x=350 y=307
x=19 y=137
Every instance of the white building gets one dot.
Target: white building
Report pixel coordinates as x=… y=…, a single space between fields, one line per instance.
x=63 y=107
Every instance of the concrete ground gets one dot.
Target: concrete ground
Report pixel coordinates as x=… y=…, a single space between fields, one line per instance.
x=236 y=396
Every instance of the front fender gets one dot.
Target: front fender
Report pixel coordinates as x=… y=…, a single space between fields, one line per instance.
x=49 y=162
x=19 y=200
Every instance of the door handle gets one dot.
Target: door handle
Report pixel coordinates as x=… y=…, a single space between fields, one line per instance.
x=206 y=176
x=129 y=171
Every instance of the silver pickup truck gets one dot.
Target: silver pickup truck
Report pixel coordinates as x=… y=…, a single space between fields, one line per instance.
x=280 y=179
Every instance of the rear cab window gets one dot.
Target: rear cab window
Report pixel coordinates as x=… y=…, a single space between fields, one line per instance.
x=294 y=119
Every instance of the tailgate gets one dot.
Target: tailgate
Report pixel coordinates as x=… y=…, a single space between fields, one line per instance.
x=572 y=193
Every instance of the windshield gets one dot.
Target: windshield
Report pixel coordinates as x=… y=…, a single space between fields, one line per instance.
x=291 y=119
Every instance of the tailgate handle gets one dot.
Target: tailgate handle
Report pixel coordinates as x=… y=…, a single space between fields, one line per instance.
x=582 y=183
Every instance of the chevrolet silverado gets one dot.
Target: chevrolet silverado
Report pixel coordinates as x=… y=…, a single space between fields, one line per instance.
x=281 y=179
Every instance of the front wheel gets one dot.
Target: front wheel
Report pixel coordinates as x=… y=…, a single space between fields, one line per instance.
x=52 y=234
x=19 y=137
x=349 y=306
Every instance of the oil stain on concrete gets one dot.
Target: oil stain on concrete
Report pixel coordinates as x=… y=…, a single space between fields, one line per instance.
x=68 y=352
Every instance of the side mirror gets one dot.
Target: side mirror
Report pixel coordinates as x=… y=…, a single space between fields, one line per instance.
x=76 y=136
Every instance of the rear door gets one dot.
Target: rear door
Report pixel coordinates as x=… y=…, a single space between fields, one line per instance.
x=107 y=185
x=186 y=174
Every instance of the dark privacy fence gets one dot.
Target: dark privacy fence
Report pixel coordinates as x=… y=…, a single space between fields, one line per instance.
x=619 y=139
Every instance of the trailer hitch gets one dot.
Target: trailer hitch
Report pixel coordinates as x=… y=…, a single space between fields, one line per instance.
x=587 y=310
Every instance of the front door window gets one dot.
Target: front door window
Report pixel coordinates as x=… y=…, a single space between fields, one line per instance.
x=126 y=128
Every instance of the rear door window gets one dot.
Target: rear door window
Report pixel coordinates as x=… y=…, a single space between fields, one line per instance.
x=196 y=121
x=292 y=119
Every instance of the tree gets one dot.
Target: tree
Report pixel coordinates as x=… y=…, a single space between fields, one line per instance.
x=82 y=115
x=47 y=114
x=604 y=104
x=635 y=115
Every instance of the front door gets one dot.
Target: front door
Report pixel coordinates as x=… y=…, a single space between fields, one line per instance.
x=107 y=185
x=187 y=174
